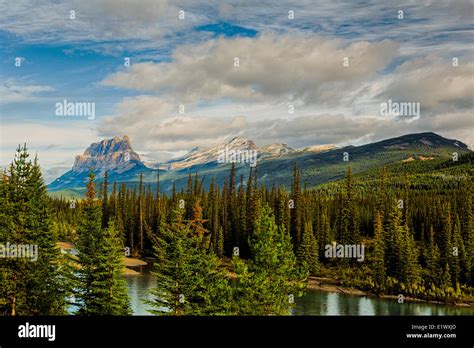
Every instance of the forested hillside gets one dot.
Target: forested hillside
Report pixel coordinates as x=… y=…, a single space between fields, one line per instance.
x=414 y=219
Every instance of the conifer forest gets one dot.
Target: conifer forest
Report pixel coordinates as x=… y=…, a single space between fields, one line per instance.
x=239 y=248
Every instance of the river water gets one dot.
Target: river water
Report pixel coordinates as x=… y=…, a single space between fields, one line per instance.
x=314 y=302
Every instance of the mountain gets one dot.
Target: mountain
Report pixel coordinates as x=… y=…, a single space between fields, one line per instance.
x=318 y=164
x=319 y=148
x=198 y=156
x=209 y=156
x=274 y=150
x=113 y=155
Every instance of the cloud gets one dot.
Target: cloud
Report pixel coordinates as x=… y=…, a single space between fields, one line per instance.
x=290 y=67
x=15 y=91
x=156 y=125
x=112 y=27
x=291 y=61
x=436 y=84
x=157 y=128
x=69 y=142
x=99 y=20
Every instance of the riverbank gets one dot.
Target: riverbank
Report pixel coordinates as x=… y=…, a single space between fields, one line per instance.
x=332 y=285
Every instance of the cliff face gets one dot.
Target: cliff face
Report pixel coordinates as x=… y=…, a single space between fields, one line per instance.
x=113 y=155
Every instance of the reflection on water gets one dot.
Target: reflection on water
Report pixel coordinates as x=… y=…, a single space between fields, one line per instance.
x=138 y=290
x=138 y=286
x=313 y=303
x=332 y=303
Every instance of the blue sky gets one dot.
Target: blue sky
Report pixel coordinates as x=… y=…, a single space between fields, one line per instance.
x=190 y=61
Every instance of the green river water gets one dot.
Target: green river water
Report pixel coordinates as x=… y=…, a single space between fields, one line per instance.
x=315 y=302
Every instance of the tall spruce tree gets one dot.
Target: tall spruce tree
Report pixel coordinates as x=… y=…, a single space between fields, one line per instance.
x=433 y=270
x=108 y=293
x=379 y=252
x=349 y=228
x=190 y=278
x=308 y=250
x=269 y=282
x=34 y=285
x=105 y=200
x=100 y=285
x=403 y=254
x=295 y=209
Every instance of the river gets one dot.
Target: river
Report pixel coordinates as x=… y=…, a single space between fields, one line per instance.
x=315 y=302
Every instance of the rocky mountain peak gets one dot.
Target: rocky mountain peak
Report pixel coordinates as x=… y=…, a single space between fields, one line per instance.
x=277 y=150
x=114 y=154
x=239 y=142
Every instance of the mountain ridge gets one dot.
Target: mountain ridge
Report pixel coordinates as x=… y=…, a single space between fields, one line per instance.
x=320 y=163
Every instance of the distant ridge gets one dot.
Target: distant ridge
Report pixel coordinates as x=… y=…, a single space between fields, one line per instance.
x=319 y=163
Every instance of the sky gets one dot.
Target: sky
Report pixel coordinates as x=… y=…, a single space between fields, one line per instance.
x=200 y=72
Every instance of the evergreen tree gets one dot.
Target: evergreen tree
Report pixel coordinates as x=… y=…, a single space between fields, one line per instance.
x=403 y=255
x=100 y=285
x=190 y=279
x=231 y=223
x=141 y=222
x=272 y=278
x=105 y=201
x=308 y=250
x=433 y=271
x=379 y=252
x=35 y=285
x=467 y=230
x=108 y=294
x=349 y=228
x=295 y=210
x=326 y=233
x=446 y=236
x=458 y=252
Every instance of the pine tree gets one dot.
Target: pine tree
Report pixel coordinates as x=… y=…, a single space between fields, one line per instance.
x=271 y=278
x=308 y=250
x=458 y=252
x=36 y=285
x=349 y=228
x=231 y=230
x=105 y=201
x=295 y=211
x=100 y=284
x=382 y=195
x=326 y=233
x=432 y=260
x=108 y=294
x=467 y=230
x=379 y=252
x=141 y=203
x=190 y=279
x=89 y=236
x=446 y=235
x=402 y=257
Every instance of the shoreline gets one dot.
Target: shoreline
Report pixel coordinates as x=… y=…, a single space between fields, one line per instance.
x=331 y=285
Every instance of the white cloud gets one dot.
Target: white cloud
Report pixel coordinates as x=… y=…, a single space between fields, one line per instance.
x=435 y=83
x=95 y=23
x=14 y=91
x=56 y=146
x=156 y=127
x=297 y=61
x=270 y=66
